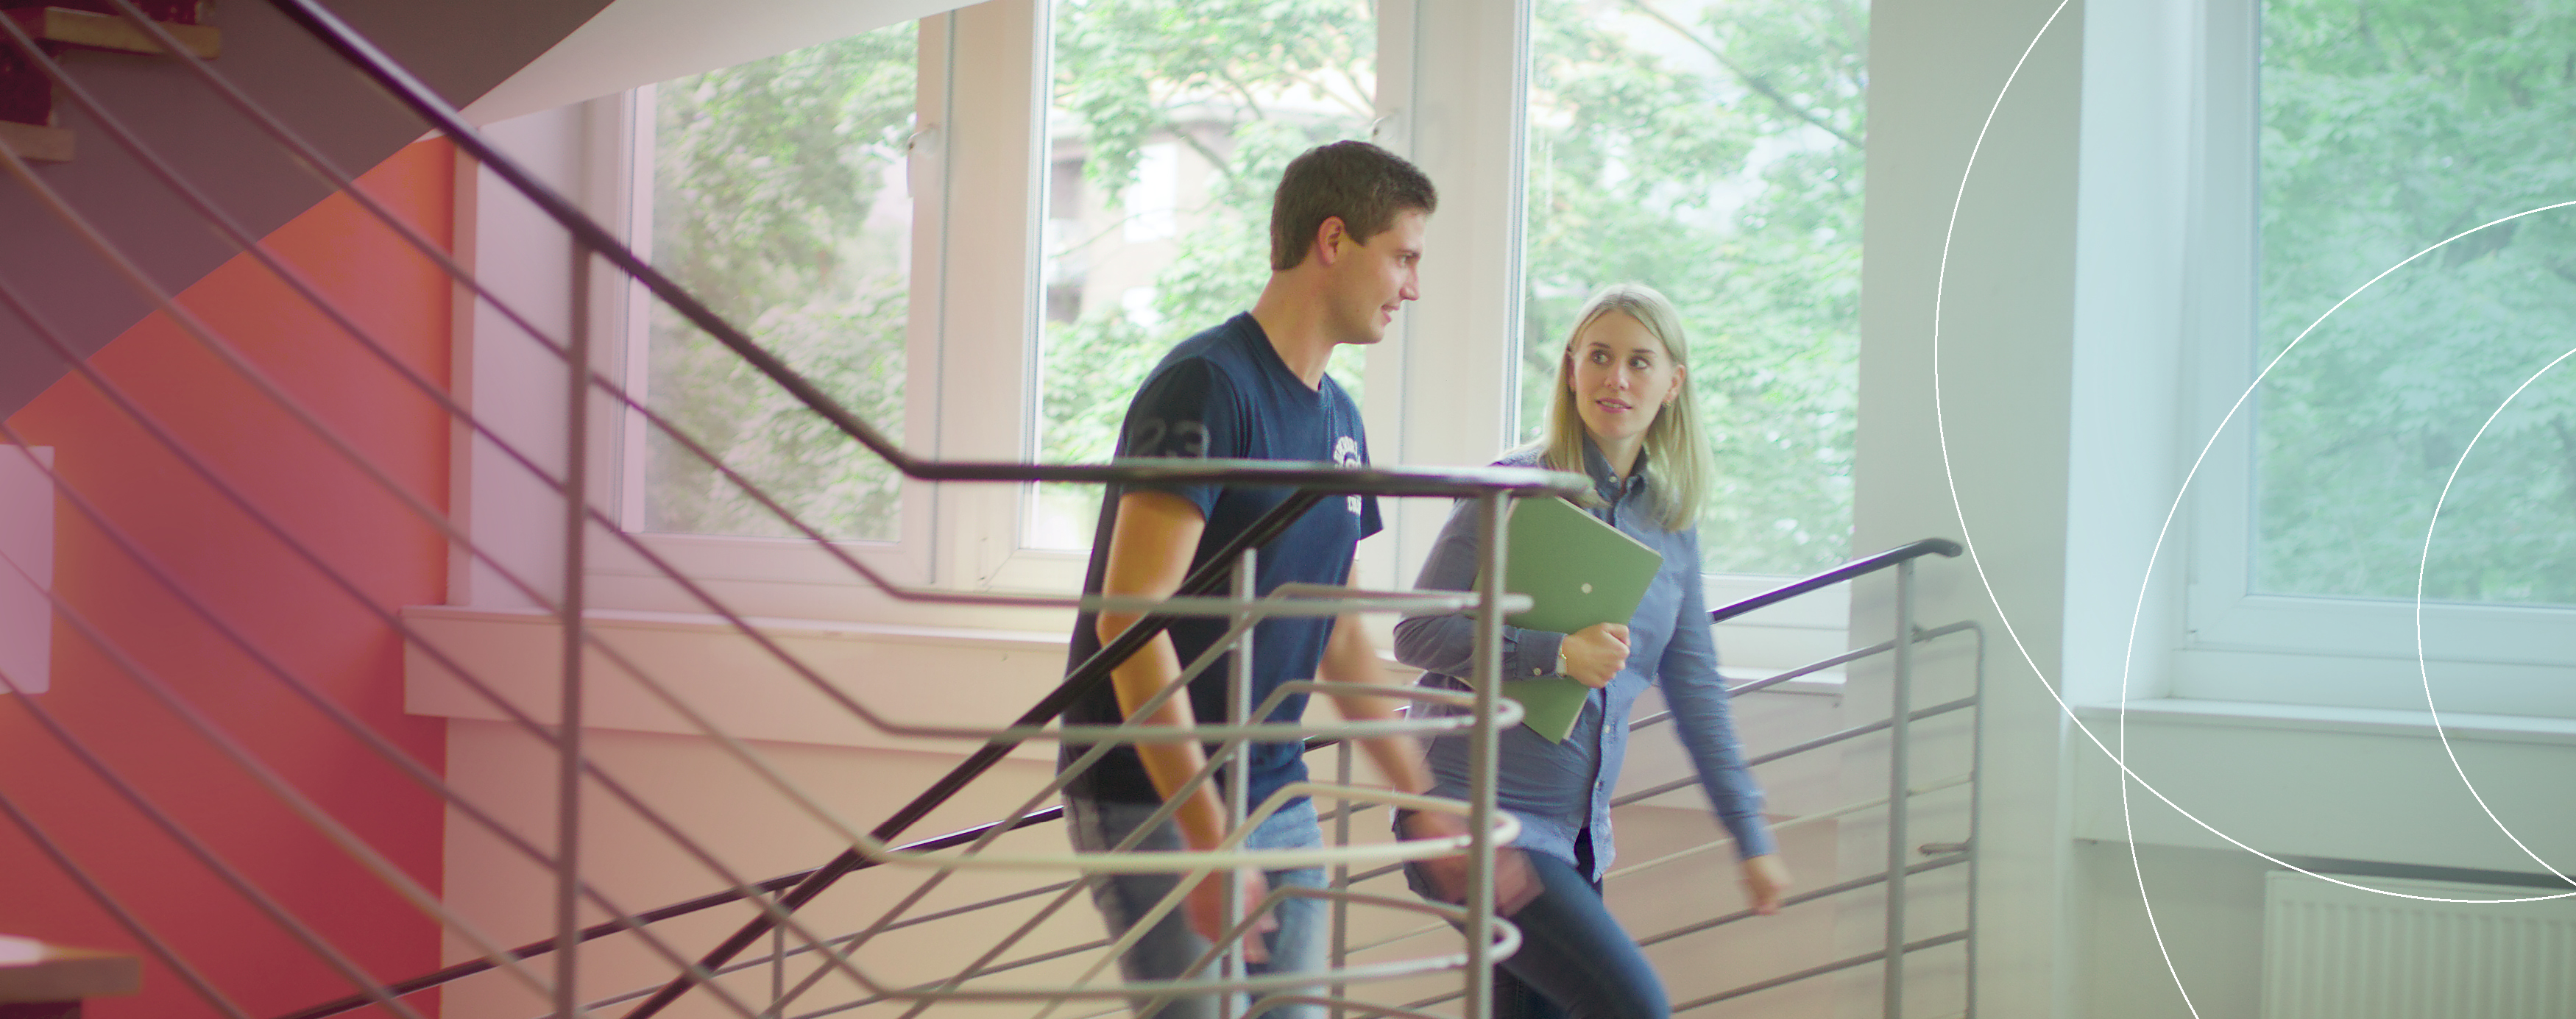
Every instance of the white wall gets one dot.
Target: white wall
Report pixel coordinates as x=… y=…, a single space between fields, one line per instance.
x=2005 y=312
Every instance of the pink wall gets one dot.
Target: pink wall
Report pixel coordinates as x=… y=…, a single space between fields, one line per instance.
x=288 y=608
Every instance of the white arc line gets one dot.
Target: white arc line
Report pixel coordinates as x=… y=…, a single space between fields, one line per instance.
x=1977 y=562
x=1968 y=539
x=2421 y=564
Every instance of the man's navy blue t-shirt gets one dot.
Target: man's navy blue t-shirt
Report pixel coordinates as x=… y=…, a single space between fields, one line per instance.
x=1225 y=393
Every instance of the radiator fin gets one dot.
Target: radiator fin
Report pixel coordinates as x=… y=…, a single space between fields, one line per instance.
x=2336 y=953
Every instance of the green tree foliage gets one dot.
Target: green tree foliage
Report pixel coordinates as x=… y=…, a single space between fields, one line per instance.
x=766 y=177
x=1244 y=86
x=2388 y=126
x=1712 y=151
x=1717 y=158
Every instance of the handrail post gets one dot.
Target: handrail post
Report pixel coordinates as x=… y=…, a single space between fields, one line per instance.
x=1900 y=705
x=1342 y=751
x=1485 y=756
x=1238 y=783
x=568 y=722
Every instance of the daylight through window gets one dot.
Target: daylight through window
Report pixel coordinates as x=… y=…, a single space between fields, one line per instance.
x=1711 y=149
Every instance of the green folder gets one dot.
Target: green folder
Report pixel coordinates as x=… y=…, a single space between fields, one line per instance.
x=1579 y=571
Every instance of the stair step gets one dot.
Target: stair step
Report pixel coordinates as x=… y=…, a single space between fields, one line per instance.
x=37 y=143
x=92 y=30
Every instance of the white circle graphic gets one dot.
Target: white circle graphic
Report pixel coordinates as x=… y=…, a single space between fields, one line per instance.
x=1976 y=562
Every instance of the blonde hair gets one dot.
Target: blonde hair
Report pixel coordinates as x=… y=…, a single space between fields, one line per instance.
x=1675 y=443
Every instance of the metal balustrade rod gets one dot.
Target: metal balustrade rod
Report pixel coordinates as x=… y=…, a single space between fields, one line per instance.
x=568 y=724
x=124 y=917
x=323 y=166
x=1238 y=787
x=296 y=281
x=1341 y=956
x=1133 y=728
x=1724 y=842
x=1863 y=566
x=1799 y=748
x=1828 y=891
x=1085 y=677
x=403 y=762
x=1159 y=469
x=426 y=103
x=161 y=434
x=1485 y=752
x=294 y=799
x=1799 y=899
x=1134 y=721
x=638 y=922
x=1845 y=810
x=1863 y=959
x=1976 y=848
x=268 y=906
x=1899 y=747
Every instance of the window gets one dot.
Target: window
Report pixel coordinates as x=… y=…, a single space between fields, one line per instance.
x=780 y=196
x=980 y=230
x=2372 y=132
x=2387 y=128
x=1712 y=149
x=1168 y=124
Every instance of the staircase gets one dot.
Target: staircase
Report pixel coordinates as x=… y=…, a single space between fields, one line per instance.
x=306 y=810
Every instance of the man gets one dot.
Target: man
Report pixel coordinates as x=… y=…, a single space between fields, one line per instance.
x=1345 y=236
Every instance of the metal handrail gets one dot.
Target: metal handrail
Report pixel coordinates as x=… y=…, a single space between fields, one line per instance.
x=1858 y=567
x=424 y=102
x=852 y=861
x=1315 y=479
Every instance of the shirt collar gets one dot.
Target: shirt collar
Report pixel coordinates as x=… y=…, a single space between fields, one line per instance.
x=1606 y=483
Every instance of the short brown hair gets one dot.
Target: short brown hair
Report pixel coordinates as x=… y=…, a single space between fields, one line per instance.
x=1366 y=186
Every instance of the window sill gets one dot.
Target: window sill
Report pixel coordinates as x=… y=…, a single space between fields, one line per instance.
x=908 y=675
x=2347 y=783
x=2327 y=718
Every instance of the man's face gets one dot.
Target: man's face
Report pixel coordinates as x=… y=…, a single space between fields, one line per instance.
x=1371 y=282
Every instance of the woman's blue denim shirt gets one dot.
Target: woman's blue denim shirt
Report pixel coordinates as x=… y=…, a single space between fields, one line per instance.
x=1558 y=789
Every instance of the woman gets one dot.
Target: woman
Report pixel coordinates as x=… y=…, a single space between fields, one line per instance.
x=1623 y=415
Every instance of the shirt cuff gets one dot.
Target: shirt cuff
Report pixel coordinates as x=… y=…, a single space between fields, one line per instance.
x=1534 y=655
x=1754 y=839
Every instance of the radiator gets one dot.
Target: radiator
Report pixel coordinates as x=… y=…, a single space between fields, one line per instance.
x=2331 y=952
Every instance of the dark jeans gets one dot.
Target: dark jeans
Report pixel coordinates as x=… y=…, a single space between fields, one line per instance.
x=1575 y=961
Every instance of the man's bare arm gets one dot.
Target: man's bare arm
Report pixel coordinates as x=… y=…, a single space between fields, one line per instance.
x=1150 y=546
x=1350 y=657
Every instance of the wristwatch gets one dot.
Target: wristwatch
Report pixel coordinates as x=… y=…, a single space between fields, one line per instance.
x=1561 y=667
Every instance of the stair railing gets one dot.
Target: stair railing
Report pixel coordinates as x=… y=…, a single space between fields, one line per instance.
x=1493 y=486
x=1940 y=856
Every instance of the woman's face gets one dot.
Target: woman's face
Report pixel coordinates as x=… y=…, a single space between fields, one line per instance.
x=1622 y=377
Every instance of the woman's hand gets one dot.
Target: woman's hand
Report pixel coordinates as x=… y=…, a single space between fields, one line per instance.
x=1514 y=883
x=1595 y=653
x=1765 y=878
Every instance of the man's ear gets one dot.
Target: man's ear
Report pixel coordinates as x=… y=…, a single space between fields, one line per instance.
x=1329 y=236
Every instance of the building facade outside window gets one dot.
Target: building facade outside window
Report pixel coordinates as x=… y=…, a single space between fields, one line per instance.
x=2337 y=140
x=1167 y=125
x=1712 y=149
x=780 y=197
x=840 y=203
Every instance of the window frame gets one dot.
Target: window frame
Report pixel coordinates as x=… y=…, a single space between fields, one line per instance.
x=2240 y=645
x=1446 y=99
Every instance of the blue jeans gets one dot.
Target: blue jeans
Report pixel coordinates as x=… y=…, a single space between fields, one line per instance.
x=1299 y=945
x=1575 y=961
